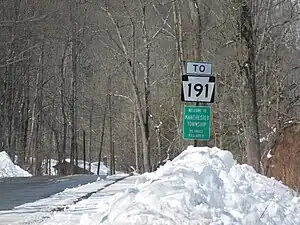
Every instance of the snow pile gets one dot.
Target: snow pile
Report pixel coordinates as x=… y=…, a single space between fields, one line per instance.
x=47 y=167
x=202 y=186
x=94 y=167
x=103 y=169
x=9 y=169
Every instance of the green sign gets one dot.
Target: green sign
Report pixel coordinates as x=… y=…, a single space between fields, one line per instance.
x=196 y=123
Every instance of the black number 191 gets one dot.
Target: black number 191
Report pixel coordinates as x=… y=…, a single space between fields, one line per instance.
x=198 y=88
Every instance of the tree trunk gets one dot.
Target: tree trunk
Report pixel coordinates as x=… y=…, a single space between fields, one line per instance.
x=84 y=152
x=135 y=141
x=33 y=121
x=252 y=129
x=102 y=136
x=198 y=26
x=180 y=58
x=146 y=124
x=57 y=145
x=62 y=151
x=111 y=141
x=25 y=118
x=74 y=153
x=38 y=144
x=91 y=135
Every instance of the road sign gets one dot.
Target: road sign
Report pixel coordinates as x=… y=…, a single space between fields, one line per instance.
x=197 y=68
x=198 y=89
x=196 y=123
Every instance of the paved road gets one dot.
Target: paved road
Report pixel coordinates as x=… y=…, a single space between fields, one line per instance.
x=73 y=203
x=20 y=190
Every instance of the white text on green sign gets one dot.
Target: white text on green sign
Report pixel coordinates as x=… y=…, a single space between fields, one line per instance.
x=196 y=123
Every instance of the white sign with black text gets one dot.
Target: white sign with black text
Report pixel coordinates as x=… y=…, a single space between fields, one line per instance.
x=198 y=89
x=197 y=68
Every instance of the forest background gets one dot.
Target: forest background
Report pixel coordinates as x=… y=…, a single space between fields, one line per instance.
x=104 y=77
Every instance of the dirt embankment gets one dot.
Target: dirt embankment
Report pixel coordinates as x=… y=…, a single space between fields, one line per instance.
x=284 y=163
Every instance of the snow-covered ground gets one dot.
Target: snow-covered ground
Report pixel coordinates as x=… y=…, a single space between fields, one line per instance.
x=47 y=167
x=82 y=213
x=9 y=169
x=48 y=208
x=94 y=167
x=202 y=186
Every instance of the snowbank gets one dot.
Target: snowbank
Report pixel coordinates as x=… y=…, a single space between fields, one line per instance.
x=103 y=169
x=9 y=169
x=94 y=167
x=202 y=186
x=47 y=167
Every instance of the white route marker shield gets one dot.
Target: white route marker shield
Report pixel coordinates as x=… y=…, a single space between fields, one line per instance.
x=198 y=89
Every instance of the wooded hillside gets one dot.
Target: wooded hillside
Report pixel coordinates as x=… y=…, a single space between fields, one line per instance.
x=104 y=76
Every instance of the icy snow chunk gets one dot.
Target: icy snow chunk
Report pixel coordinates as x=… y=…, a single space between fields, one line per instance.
x=209 y=178
x=251 y=219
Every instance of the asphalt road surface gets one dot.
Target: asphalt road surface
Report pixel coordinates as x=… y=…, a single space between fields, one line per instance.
x=20 y=190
